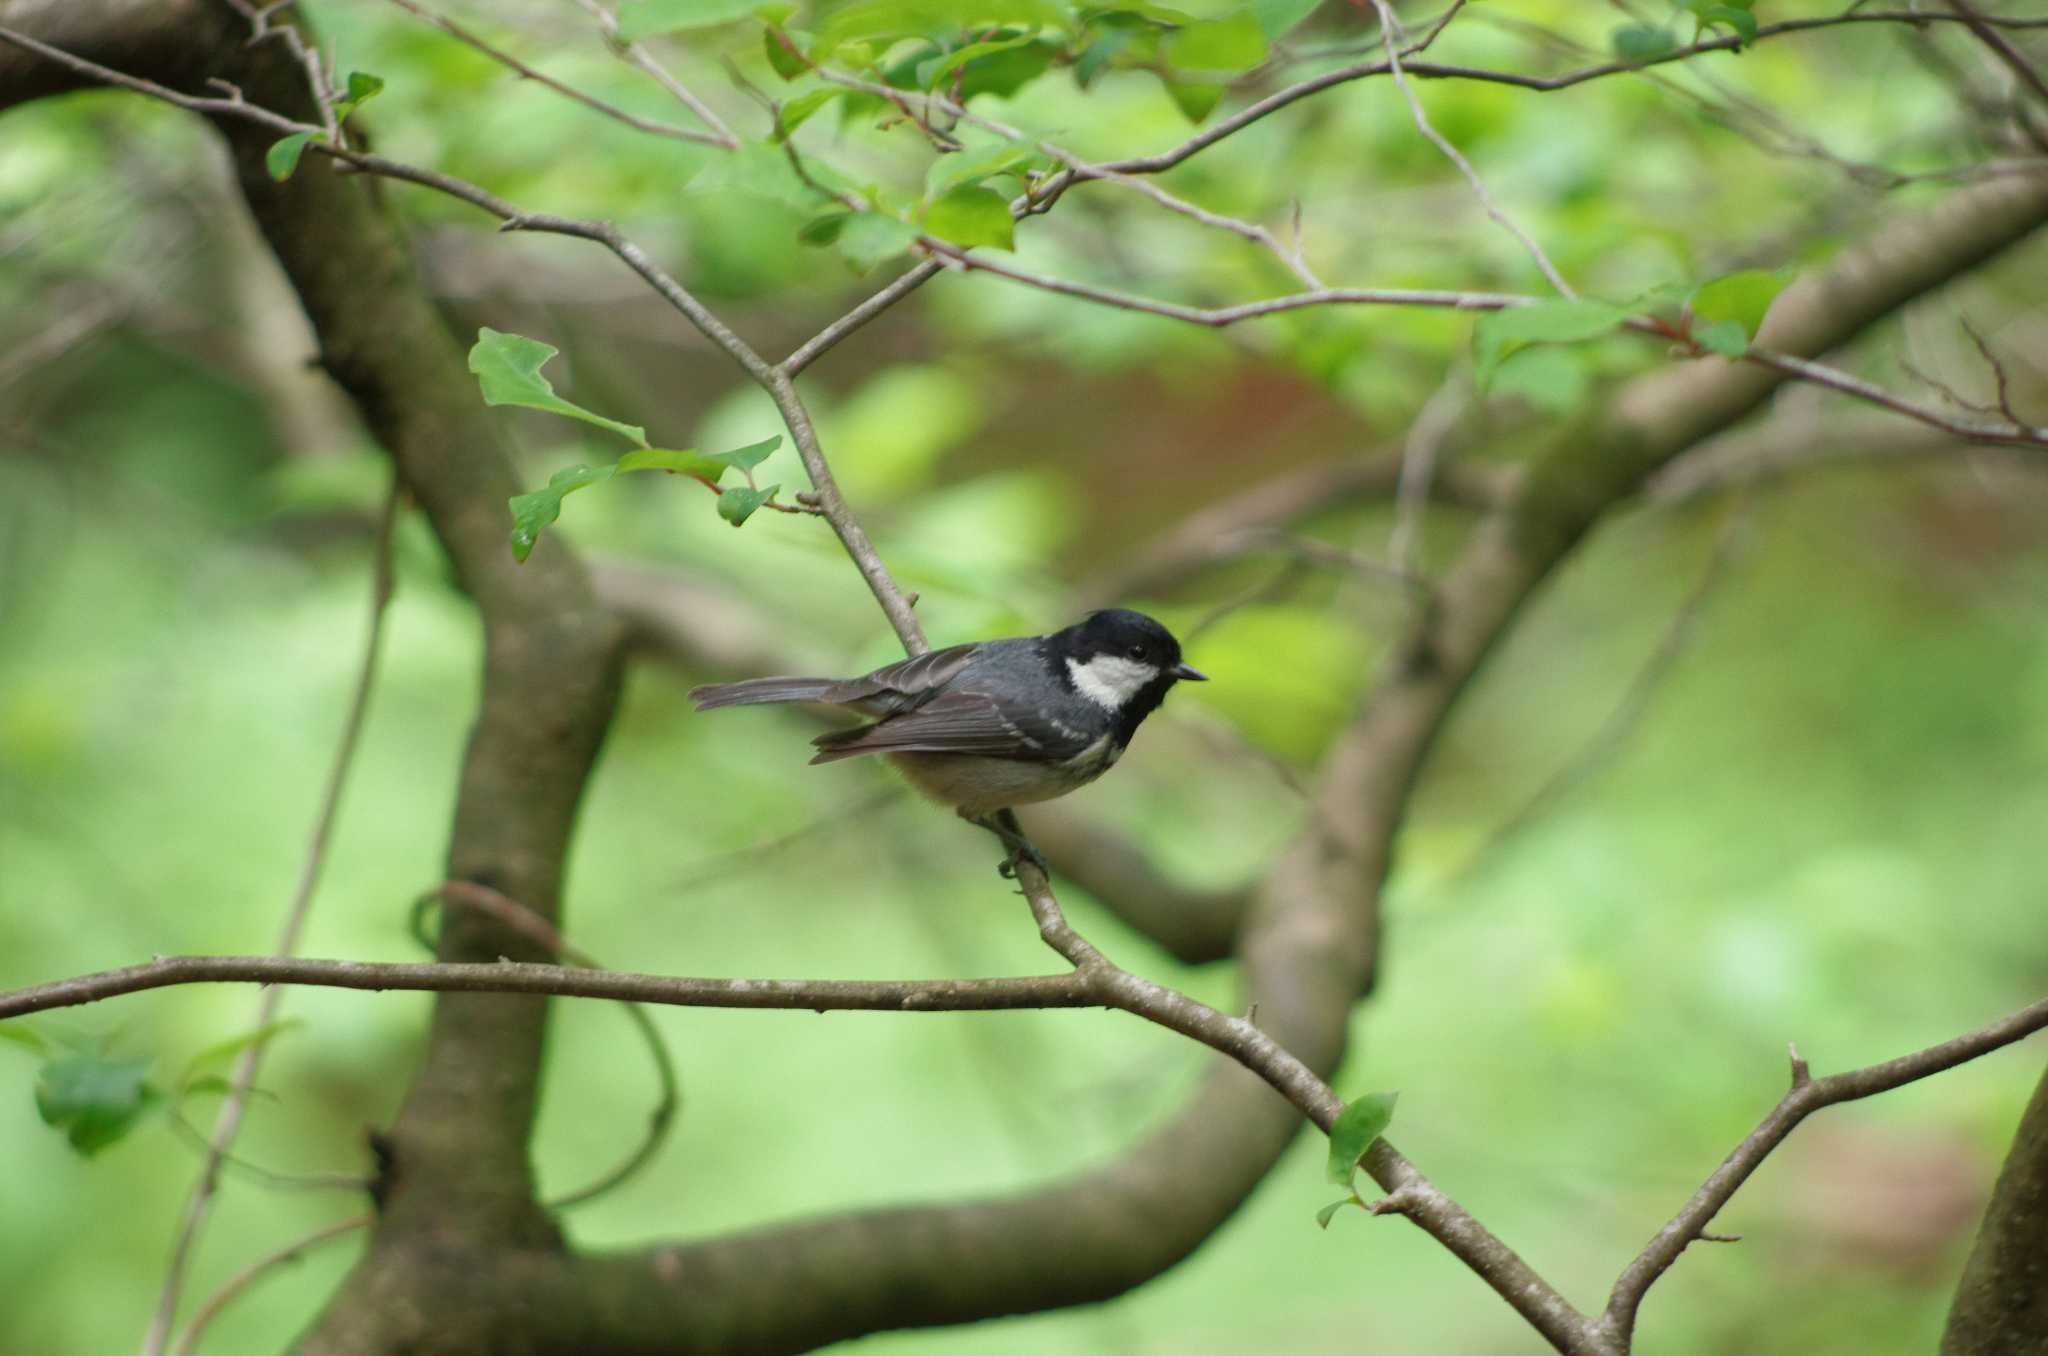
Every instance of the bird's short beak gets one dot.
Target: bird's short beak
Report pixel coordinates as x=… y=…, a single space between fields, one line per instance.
x=1189 y=672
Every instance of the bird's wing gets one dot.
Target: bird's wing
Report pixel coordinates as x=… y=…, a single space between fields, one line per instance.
x=904 y=685
x=958 y=722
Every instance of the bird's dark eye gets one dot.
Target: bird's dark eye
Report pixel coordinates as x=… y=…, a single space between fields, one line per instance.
x=1137 y=652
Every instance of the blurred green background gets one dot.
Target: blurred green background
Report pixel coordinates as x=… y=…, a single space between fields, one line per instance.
x=1824 y=826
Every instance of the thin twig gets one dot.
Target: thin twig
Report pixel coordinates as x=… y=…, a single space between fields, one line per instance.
x=639 y=56
x=228 y=1121
x=1082 y=169
x=2014 y=59
x=1390 y=30
x=1806 y=1096
x=895 y=606
x=722 y=138
x=236 y=1284
x=1628 y=712
x=482 y=899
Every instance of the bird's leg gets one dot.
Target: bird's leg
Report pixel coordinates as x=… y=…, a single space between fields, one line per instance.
x=1003 y=824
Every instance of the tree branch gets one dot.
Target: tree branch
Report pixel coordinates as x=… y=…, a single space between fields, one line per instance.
x=1807 y=1095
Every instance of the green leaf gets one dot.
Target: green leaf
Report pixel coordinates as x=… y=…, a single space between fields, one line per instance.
x=934 y=71
x=748 y=457
x=793 y=114
x=1234 y=43
x=1500 y=333
x=1277 y=16
x=1358 y=1125
x=1098 y=53
x=1741 y=20
x=644 y=18
x=970 y=217
x=825 y=229
x=1742 y=298
x=685 y=461
x=1642 y=42
x=507 y=367
x=1329 y=1212
x=872 y=238
x=363 y=87
x=888 y=20
x=283 y=156
x=222 y=1051
x=784 y=62
x=22 y=1034
x=736 y=503
x=1196 y=99
x=536 y=509
x=1724 y=337
x=93 y=1100
x=1551 y=377
x=965 y=168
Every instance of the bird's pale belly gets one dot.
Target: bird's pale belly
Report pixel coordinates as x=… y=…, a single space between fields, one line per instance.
x=980 y=786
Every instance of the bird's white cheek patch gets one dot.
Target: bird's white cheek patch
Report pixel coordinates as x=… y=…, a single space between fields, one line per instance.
x=1110 y=680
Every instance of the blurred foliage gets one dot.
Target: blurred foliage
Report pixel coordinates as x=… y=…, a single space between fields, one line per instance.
x=1825 y=827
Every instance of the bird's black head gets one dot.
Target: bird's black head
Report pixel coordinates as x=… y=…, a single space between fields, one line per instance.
x=1121 y=660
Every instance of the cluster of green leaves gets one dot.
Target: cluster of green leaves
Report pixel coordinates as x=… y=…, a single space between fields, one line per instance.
x=96 y=1096
x=961 y=49
x=507 y=368
x=1647 y=42
x=283 y=156
x=1720 y=316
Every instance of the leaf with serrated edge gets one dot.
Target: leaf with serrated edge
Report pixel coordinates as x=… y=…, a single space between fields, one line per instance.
x=507 y=368
x=1358 y=1125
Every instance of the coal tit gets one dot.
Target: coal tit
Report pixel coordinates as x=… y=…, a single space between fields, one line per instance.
x=998 y=723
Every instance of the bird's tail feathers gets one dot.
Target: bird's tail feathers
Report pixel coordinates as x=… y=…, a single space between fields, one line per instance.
x=759 y=691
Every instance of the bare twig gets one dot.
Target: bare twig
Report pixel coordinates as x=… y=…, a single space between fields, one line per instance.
x=1081 y=169
x=471 y=895
x=1988 y=34
x=1635 y=701
x=720 y=137
x=233 y=1289
x=1806 y=1096
x=228 y=1121
x=639 y=56
x=1390 y=29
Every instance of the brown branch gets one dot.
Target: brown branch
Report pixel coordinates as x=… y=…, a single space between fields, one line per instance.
x=1807 y=1095
x=722 y=137
x=1988 y=34
x=776 y=382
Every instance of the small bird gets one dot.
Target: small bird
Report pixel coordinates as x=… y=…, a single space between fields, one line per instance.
x=997 y=723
